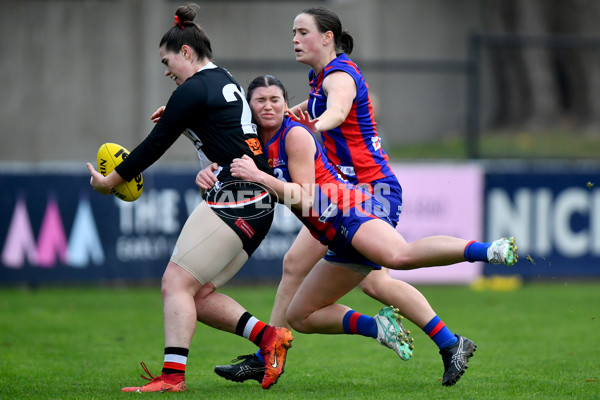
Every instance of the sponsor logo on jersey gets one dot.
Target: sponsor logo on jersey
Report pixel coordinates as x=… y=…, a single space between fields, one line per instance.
x=254 y=145
x=347 y=170
x=275 y=162
x=226 y=199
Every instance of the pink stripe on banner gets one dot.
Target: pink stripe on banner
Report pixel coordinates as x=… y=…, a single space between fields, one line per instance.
x=52 y=242
x=20 y=243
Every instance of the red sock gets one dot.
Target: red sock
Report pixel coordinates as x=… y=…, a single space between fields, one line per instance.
x=251 y=328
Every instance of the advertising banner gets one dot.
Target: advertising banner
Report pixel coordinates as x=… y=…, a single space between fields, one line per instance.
x=441 y=199
x=54 y=227
x=554 y=213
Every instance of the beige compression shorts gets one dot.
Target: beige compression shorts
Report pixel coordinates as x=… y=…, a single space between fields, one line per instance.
x=208 y=249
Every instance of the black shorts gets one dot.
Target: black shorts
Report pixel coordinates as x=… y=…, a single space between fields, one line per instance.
x=246 y=207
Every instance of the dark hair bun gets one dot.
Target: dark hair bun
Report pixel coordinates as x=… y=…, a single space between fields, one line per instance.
x=186 y=13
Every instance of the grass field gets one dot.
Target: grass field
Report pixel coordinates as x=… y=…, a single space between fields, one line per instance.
x=539 y=342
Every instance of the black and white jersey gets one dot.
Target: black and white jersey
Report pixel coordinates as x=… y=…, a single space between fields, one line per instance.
x=211 y=108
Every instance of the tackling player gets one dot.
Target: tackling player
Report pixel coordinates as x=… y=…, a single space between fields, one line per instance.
x=339 y=98
x=352 y=224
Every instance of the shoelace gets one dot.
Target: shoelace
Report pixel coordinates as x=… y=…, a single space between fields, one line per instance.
x=151 y=377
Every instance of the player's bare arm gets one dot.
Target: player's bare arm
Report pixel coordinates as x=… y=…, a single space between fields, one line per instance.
x=341 y=91
x=297 y=194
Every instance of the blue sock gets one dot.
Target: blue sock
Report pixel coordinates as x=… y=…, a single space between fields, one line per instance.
x=439 y=333
x=476 y=251
x=358 y=324
x=260 y=357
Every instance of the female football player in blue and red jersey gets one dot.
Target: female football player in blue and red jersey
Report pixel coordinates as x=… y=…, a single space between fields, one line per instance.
x=340 y=108
x=352 y=225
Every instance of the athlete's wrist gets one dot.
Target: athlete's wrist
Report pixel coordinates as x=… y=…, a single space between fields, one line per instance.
x=259 y=178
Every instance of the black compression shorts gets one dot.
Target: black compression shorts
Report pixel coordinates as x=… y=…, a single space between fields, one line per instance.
x=246 y=207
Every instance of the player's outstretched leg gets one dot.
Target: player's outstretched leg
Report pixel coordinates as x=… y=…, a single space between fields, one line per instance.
x=503 y=251
x=242 y=369
x=274 y=350
x=455 y=359
x=391 y=333
x=156 y=384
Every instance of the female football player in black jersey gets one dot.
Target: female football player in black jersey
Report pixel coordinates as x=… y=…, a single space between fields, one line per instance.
x=210 y=108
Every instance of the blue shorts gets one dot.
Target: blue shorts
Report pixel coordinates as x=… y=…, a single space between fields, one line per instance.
x=389 y=193
x=340 y=248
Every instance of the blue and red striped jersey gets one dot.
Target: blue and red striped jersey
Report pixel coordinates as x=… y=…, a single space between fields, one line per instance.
x=334 y=196
x=353 y=147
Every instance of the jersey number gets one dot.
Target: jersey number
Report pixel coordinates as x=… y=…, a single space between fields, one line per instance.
x=229 y=92
x=279 y=174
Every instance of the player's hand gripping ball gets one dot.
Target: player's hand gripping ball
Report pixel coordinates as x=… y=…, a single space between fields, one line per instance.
x=109 y=156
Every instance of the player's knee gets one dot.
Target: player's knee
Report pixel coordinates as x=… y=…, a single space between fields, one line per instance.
x=297 y=325
x=165 y=287
x=292 y=264
x=370 y=285
x=175 y=281
x=294 y=321
x=399 y=260
x=376 y=283
x=297 y=320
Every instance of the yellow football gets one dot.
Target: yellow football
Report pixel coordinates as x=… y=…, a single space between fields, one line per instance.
x=109 y=156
